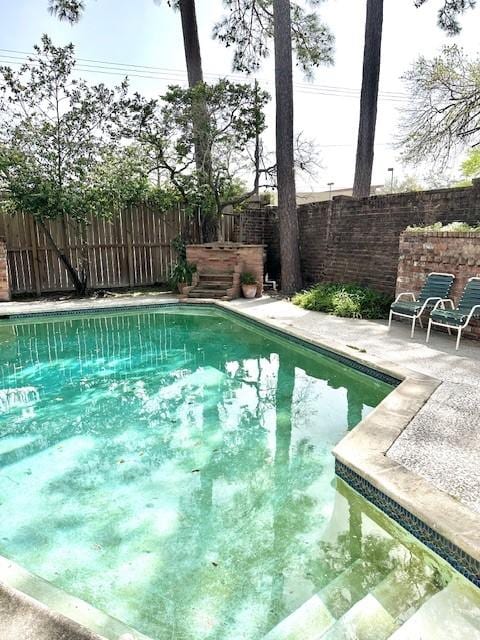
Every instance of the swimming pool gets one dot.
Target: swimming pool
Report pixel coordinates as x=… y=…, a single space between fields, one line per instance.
x=173 y=468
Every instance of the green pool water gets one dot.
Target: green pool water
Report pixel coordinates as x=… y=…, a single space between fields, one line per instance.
x=174 y=469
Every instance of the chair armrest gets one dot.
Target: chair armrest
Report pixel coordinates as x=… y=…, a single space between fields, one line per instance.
x=429 y=301
x=406 y=293
x=473 y=311
x=442 y=302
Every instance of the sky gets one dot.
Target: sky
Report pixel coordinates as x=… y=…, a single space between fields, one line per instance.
x=142 y=32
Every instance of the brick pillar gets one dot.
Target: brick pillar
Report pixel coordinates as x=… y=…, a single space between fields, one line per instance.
x=4 y=285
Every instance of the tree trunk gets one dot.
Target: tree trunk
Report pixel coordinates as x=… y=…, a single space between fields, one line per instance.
x=80 y=284
x=291 y=279
x=368 y=99
x=191 y=43
x=282 y=505
x=203 y=160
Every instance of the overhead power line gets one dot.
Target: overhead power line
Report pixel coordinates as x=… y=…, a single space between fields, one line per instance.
x=149 y=72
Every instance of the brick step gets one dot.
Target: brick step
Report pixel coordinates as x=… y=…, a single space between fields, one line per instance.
x=216 y=277
x=208 y=293
x=224 y=284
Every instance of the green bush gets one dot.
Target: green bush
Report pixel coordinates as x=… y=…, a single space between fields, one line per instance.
x=247 y=278
x=451 y=226
x=345 y=300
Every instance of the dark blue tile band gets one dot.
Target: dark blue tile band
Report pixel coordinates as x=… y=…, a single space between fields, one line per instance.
x=458 y=559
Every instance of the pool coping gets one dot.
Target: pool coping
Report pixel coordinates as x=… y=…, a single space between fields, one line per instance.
x=439 y=521
x=64 y=605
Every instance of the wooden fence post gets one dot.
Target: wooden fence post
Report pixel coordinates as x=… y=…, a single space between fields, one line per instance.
x=129 y=238
x=35 y=261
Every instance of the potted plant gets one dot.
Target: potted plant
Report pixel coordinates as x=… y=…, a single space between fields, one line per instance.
x=182 y=275
x=248 y=283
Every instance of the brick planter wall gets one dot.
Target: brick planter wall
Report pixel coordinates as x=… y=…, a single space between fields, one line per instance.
x=235 y=258
x=451 y=252
x=4 y=284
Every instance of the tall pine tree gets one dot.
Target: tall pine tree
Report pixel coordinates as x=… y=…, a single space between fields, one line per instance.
x=368 y=99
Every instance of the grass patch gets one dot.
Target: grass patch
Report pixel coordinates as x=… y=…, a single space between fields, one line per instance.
x=345 y=300
x=451 y=226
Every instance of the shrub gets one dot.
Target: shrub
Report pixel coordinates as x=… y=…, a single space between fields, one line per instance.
x=451 y=226
x=247 y=278
x=345 y=300
x=182 y=273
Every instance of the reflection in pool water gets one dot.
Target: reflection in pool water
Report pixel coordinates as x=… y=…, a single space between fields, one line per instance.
x=174 y=469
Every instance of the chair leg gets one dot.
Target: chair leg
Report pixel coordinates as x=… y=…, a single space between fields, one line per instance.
x=458 y=338
x=390 y=319
x=449 y=331
x=413 y=327
x=420 y=322
x=429 y=329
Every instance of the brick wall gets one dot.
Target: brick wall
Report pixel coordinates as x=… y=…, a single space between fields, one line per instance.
x=350 y=240
x=4 y=285
x=449 y=252
x=260 y=226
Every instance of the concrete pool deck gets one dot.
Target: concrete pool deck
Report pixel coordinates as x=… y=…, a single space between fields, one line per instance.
x=440 y=443
x=23 y=618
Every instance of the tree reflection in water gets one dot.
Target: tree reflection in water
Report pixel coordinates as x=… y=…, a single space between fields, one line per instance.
x=175 y=469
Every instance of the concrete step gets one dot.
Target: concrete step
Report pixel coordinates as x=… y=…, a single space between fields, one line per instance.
x=305 y=623
x=366 y=620
x=451 y=614
x=406 y=588
x=321 y=611
x=350 y=586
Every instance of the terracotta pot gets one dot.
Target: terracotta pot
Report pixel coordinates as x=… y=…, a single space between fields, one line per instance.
x=181 y=286
x=249 y=290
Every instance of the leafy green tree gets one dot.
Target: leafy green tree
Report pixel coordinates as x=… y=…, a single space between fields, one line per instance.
x=471 y=164
x=469 y=168
x=368 y=99
x=443 y=115
x=449 y=12
x=60 y=152
x=165 y=131
x=71 y=11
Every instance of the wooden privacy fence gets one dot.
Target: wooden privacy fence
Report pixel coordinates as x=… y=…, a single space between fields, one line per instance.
x=132 y=249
